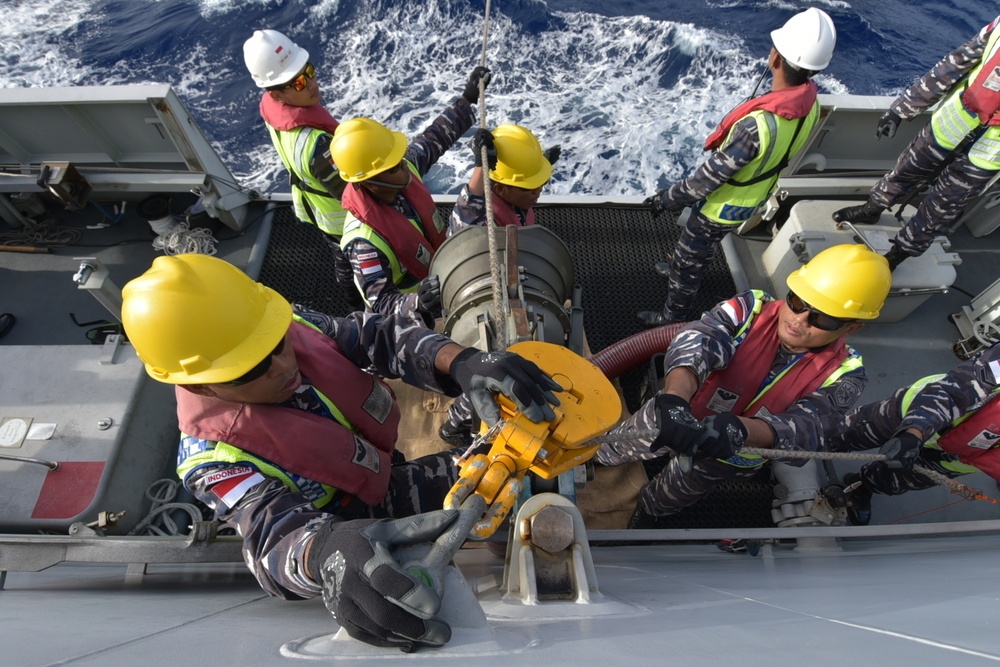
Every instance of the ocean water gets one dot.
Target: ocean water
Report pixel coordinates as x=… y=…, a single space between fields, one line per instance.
x=629 y=89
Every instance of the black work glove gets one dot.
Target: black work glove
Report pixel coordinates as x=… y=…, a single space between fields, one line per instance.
x=482 y=374
x=368 y=592
x=471 y=92
x=658 y=207
x=679 y=429
x=887 y=125
x=901 y=450
x=429 y=296
x=552 y=154
x=724 y=437
x=484 y=138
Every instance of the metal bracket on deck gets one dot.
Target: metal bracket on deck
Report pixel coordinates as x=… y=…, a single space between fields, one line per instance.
x=93 y=275
x=978 y=323
x=550 y=554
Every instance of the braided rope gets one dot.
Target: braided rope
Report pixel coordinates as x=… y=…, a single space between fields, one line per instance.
x=45 y=233
x=956 y=487
x=182 y=239
x=499 y=302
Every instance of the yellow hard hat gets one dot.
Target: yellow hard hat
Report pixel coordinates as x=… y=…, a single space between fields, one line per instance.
x=846 y=281
x=196 y=319
x=363 y=148
x=519 y=158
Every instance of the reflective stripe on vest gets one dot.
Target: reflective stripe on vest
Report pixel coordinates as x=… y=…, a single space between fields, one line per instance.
x=951 y=122
x=732 y=203
x=355 y=228
x=296 y=148
x=317 y=493
x=936 y=440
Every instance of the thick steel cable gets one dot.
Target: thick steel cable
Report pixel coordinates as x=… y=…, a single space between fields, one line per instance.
x=499 y=298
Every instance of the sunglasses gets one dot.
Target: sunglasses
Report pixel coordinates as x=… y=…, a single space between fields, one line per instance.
x=300 y=82
x=260 y=369
x=391 y=186
x=816 y=319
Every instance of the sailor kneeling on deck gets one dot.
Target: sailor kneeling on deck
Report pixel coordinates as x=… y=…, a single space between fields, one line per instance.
x=759 y=372
x=291 y=442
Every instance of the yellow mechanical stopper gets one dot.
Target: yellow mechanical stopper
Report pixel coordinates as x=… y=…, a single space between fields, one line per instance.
x=589 y=407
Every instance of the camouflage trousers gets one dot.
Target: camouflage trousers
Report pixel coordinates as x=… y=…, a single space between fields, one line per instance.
x=958 y=183
x=694 y=250
x=682 y=482
x=460 y=413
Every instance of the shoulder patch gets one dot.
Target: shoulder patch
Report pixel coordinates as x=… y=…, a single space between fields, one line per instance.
x=231 y=484
x=846 y=394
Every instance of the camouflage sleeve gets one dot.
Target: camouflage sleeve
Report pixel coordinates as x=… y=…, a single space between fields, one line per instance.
x=870 y=425
x=709 y=344
x=392 y=347
x=373 y=272
x=742 y=147
x=427 y=149
x=469 y=211
x=938 y=82
x=276 y=524
x=965 y=388
x=618 y=452
x=814 y=421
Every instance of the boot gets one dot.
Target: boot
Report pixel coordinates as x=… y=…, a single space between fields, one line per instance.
x=653 y=318
x=859 y=502
x=456 y=436
x=863 y=214
x=640 y=519
x=895 y=257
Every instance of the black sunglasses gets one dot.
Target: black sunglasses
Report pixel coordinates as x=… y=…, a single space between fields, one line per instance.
x=260 y=369
x=391 y=186
x=817 y=319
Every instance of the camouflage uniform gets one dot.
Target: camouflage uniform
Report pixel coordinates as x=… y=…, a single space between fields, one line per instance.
x=706 y=345
x=700 y=236
x=276 y=521
x=963 y=390
x=960 y=181
x=423 y=153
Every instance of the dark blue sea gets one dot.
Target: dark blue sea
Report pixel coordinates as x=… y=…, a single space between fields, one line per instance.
x=629 y=88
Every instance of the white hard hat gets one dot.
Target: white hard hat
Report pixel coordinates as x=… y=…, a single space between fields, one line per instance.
x=272 y=58
x=806 y=40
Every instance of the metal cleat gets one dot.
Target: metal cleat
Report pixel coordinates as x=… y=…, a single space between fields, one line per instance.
x=550 y=555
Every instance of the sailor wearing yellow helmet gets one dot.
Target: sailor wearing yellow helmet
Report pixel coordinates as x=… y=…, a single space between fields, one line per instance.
x=393 y=226
x=759 y=372
x=518 y=170
x=292 y=443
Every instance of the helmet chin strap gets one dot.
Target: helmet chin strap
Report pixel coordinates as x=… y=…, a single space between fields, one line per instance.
x=760 y=80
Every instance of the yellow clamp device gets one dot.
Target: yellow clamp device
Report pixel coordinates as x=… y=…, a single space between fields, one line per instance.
x=589 y=407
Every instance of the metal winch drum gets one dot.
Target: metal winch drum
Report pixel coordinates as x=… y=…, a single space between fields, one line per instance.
x=544 y=282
